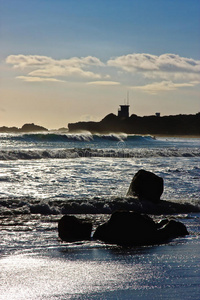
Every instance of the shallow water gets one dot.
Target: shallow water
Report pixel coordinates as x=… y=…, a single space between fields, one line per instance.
x=44 y=176
x=36 y=265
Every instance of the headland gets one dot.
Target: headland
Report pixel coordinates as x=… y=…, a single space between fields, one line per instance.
x=172 y=125
x=25 y=128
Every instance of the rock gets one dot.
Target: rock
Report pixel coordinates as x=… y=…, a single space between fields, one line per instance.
x=162 y=223
x=127 y=228
x=133 y=229
x=72 y=229
x=146 y=185
x=172 y=229
x=8 y=129
x=32 y=127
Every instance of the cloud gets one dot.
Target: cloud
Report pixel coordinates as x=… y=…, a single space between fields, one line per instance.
x=176 y=76
x=44 y=66
x=69 y=72
x=164 y=66
x=23 y=61
x=38 y=79
x=168 y=71
x=107 y=83
x=163 y=86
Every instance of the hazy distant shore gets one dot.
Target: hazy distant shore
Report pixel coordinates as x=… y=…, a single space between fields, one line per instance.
x=167 y=126
x=25 y=128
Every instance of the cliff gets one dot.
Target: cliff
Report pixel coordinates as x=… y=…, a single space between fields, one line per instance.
x=166 y=125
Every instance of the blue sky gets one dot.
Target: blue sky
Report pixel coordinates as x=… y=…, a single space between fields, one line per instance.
x=65 y=61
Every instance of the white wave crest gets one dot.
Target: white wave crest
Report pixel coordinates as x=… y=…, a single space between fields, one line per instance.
x=87 y=152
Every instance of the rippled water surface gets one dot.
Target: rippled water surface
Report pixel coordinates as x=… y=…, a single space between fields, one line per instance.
x=43 y=176
x=34 y=264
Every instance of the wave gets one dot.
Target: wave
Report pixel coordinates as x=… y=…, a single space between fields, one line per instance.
x=52 y=137
x=87 y=152
x=97 y=205
x=78 y=137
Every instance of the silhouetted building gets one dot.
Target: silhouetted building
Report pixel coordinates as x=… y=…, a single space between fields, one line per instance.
x=157 y=114
x=123 y=111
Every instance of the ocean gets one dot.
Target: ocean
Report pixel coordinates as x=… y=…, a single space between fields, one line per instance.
x=46 y=175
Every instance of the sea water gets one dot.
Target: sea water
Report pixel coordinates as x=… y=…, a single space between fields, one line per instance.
x=46 y=175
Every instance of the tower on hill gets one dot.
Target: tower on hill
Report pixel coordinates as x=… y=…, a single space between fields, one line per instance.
x=123 y=111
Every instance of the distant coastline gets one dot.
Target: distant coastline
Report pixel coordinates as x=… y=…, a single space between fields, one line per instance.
x=25 y=128
x=173 y=125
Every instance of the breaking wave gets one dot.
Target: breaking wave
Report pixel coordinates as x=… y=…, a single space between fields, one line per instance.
x=87 y=152
x=77 y=137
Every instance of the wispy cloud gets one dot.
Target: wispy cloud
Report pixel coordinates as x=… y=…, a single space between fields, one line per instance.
x=103 y=83
x=168 y=71
x=44 y=66
x=38 y=79
x=144 y=62
x=163 y=86
x=164 y=66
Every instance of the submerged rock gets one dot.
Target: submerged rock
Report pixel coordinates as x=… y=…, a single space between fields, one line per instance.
x=72 y=229
x=146 y=185
x=133 y=229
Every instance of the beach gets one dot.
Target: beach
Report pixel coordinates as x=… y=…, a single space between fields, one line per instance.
x=46 y=175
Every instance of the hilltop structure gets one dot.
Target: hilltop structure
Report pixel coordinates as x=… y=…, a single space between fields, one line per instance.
x=123 y=111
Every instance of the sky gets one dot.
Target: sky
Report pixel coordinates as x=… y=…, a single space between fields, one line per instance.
x=65 y=61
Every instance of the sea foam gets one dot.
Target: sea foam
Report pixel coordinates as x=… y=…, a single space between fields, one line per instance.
x=88 y=152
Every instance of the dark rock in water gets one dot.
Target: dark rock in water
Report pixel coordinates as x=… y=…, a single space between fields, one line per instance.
x=146 y=185
x=162 y=223
x=127 y=228
x=172 y=229
x=133 y=229
x=72 y=229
